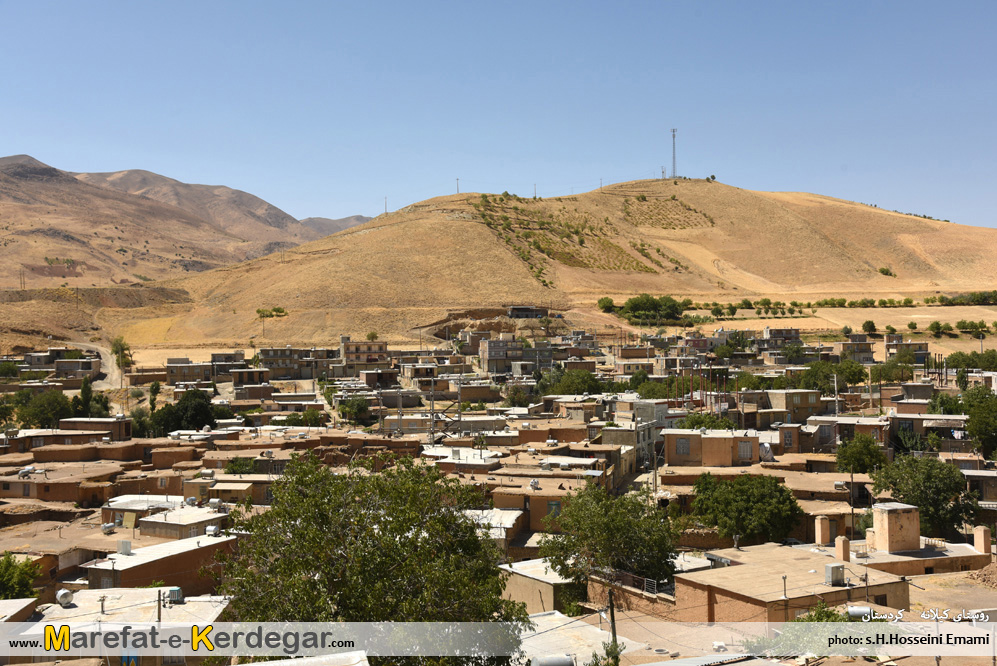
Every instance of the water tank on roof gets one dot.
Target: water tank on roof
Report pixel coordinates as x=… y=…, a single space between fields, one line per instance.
x=553 y=660
x=107 y=528
x=64 y=597
x=212 y=531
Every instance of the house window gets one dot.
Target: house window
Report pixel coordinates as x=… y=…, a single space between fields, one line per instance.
x=824 y=431
x=6 y=486
x=813 y=399
x=744 y=450
x=162 y=482
x=682 y=446
x=905 y=425
x=25 y=489
x=796 y=399
x=554 y=508
x=787 y=438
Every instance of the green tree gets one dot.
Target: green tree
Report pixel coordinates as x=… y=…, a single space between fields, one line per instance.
x=982 y=423
x=358 y=547
x=195 y=410
x=860 y=455
x=45 y=410
x=8 y=369
x=154 y=389
x=17 y=578
x=937 y=488
x=240 y=466
x=717 y=311
x=354 y=409
x=611 y=654
x=731 y=310
x=846 y=330
x=517 y=397
x=141 y=425
x=372 y=336
x=222 y=412
x=606 y=304
x=793 y=352
x=821 y=613
x=912 y=325
x=935 y=328
x=576 y=382
x=606 y=535
x=82 y=403
x=962 y=379
x=121 y=351
x=869 y=326
x=164 y=420
x=312 y=418
x=638 y=378
x=749 y=506
x=706 y=420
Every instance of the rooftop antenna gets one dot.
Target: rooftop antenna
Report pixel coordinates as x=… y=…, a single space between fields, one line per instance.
x=675 y=173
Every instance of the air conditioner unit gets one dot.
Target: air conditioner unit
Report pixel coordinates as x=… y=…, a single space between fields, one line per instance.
x=834 y=574
x=124 y=547
x=175 y=595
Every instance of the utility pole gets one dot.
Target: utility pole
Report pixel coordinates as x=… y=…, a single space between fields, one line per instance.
x=458 y=186
x=534 y=190
x=612 y=625
x=432 y=412
x=385 y=205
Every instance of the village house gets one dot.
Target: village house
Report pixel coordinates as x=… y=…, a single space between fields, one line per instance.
x=710 y=448
x=183 y=563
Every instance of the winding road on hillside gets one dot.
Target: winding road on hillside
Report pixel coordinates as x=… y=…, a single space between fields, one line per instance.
x=112 y=373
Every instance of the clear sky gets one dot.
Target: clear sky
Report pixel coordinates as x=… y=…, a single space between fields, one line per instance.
x=325 y=108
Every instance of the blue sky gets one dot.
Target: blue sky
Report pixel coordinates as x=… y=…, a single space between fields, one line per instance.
x=325 y=108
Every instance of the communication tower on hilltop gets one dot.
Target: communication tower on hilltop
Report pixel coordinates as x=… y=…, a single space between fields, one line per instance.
x=675 y=173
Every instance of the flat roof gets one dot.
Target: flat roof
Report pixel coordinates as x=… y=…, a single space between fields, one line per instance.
x=144 y=502
x=148 y=554
x=759 y=571
x=185 y=515
x=129 y=605
x=539 y=569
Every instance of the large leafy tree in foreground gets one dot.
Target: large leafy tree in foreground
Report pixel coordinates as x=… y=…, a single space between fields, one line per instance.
x=362 y=547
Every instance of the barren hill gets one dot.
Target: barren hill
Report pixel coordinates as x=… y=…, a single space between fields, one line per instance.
x=407 y=269
x=243 y=215
x=326 y=226
x=59 y=230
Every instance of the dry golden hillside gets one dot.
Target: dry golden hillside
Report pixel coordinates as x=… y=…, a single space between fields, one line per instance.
x=407 y=269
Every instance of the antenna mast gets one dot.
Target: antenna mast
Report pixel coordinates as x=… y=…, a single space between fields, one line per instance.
x=675 y=173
